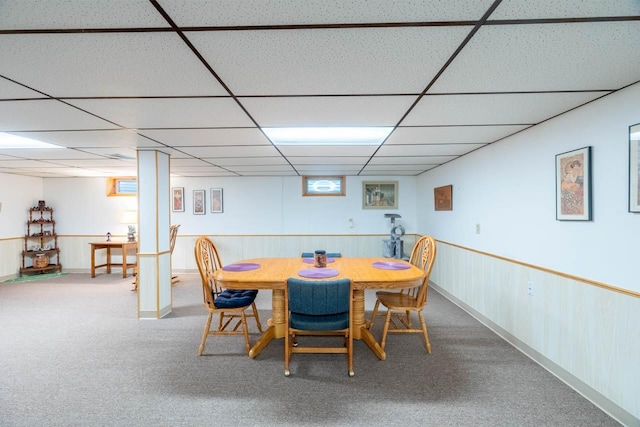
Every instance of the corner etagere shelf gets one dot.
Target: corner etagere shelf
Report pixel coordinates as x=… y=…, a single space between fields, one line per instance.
x=40 y=242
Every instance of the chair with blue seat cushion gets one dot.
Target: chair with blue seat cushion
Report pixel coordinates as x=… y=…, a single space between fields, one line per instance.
x=318 y=308
x=229 y=304
x=329 y=255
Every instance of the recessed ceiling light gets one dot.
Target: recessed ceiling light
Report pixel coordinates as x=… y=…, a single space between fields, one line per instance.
x=328 y=135
x=9 y=141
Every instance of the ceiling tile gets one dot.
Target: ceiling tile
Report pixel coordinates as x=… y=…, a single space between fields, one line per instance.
x=327 y=151
x=329 y=61
x=248 y=161
x=106 y=64
x=543 y=9
x=546 y=57
x=282 y=12
x=410 y=160
x=22 y=163
x=263 y=168
x=49 y=153
x=207 y=173
x=328 y=111
x=216 y=152
x=451 y=134
x=167 y=112
x=11 y=90
x=494 y=109
x=46 y=115
x=91 y=138
x=258 y=173
x=36 y=14
x=327 y=170
x=427 y=150
x=187 y=163
x=207 y=137
x=325 y=160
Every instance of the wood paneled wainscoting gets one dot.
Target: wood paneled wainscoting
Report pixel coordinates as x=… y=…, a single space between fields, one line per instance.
x=232 y=248
x=584 y=332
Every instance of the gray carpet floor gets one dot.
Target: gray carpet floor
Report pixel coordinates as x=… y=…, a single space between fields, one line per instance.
x=73 y=353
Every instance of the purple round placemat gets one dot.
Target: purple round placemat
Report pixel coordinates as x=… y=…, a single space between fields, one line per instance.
x=241 y=266
x=311 y=260
x=318 y=273
x=388 y=265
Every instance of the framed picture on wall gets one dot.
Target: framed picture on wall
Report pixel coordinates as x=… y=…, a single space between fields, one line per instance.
x=634 y=168
x=442 y=198
x=573 y=185
x=177 y=197
x=380 y=195
x=198 y=202
x=216 y=200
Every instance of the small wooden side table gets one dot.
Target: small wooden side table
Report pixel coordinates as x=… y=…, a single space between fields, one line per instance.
x=124 y=246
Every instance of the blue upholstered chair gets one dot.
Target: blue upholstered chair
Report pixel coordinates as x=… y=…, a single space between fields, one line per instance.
x=229 y=304
x=318 y=308
x=329 y=255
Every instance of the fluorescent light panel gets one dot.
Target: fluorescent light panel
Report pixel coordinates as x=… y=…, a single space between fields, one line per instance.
x=328 y=135
x=9 y=141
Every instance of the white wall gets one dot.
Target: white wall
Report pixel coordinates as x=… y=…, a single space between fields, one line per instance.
x=275 y=205
x=83 y=208
x=17 y=194
x=585 y=334
x=509 y=189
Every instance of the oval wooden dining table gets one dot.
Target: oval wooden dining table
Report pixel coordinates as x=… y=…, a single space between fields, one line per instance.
x=272 y=274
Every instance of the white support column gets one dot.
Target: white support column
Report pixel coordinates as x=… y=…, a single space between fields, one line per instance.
x=154 y=256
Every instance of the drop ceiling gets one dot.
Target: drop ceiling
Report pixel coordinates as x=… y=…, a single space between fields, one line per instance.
x=197 y=79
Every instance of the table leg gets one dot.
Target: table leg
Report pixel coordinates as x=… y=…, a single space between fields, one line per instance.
x=124 y=262
x=370 y=341
x=262 y=342
x=93 y=261
x=277 y=313
x=276 y=324
x=358 y=312
x=108 y=260
x=360 y=331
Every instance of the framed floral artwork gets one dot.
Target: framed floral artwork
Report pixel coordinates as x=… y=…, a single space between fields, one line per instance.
x=216 y=200
x=177 y=199
x=573 y=185
x=198 y=202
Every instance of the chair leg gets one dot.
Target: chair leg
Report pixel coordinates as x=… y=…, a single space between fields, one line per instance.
x=427 y=344
x=375 y=313
x=255 y=316
x=245 y=330
x=350 y=353
x=287 y=353
x=385 y=330
x=205 y=334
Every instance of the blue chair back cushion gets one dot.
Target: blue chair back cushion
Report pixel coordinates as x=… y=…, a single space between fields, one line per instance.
x=329 y=254
x=234 y=298
x=318 y=306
